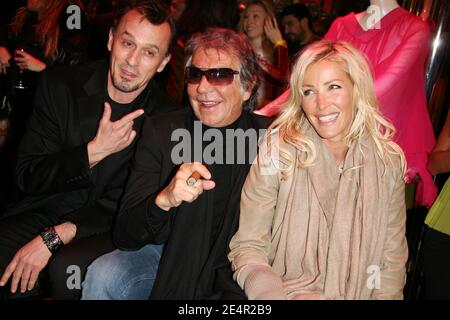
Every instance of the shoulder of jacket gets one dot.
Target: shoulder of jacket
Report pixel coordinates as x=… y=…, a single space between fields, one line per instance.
x=167 y=120
x=71 y=75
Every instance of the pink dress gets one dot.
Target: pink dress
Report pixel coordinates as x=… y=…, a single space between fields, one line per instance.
x=397 y=49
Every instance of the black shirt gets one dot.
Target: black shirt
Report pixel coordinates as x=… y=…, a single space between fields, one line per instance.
x=119 y=110
x=221 y=174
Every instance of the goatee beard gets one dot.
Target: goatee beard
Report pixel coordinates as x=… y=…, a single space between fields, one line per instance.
x=123 y=88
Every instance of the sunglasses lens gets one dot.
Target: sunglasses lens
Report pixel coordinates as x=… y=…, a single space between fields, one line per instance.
x=217 y=76
x=220 y=76
x=194 y=75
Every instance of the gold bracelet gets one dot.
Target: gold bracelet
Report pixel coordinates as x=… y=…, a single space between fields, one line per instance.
x=280 y=42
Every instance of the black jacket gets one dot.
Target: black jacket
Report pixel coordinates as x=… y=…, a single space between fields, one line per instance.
x=192 y=259
x=53 y=166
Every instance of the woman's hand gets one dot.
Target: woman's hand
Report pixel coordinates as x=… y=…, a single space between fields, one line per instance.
x=272 y=31
x=4 y=59
x=26 y=61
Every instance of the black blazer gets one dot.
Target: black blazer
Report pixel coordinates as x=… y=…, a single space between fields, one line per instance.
x=53 y=166
x=189 y=266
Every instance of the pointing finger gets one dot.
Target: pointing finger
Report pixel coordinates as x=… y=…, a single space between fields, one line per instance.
x=129 y=117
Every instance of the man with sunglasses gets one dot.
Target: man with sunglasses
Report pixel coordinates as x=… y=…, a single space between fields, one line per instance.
x=194 y=221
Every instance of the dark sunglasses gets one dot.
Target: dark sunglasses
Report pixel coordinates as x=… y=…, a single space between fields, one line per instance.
x=215 y=76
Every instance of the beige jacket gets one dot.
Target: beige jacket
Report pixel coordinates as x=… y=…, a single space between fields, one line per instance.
x=322 y=234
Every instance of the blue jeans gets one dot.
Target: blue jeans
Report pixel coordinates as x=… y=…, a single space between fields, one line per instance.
x=122 y=275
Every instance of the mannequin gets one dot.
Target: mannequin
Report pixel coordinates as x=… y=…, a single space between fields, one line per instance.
x=396 y=43
x=375 y=12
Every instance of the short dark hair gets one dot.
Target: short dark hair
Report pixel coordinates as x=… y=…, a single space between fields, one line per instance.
x=152 y=10
x=299 y=11
x=234 y=43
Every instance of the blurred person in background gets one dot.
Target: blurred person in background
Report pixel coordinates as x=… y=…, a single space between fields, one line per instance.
x=259 y=24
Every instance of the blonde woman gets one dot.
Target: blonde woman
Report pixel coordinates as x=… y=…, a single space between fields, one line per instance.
x=259 y=24
x=322 y=210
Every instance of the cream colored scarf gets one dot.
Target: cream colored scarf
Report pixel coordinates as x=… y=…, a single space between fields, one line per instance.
x=334 y=226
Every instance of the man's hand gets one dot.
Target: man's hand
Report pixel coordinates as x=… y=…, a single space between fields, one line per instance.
x=111 y=136
x=178 y=191
x=26 y=61
x=29 y=261
x=26 y=265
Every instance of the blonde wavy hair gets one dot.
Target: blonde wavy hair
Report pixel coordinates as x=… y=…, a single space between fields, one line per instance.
x=367 y=118
x=47 y=28
x=267 y=7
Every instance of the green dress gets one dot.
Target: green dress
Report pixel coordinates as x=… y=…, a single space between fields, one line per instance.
x=438 y=217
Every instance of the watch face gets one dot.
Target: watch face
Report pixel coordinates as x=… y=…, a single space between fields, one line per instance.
x=49 y=236
x=51 y=239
